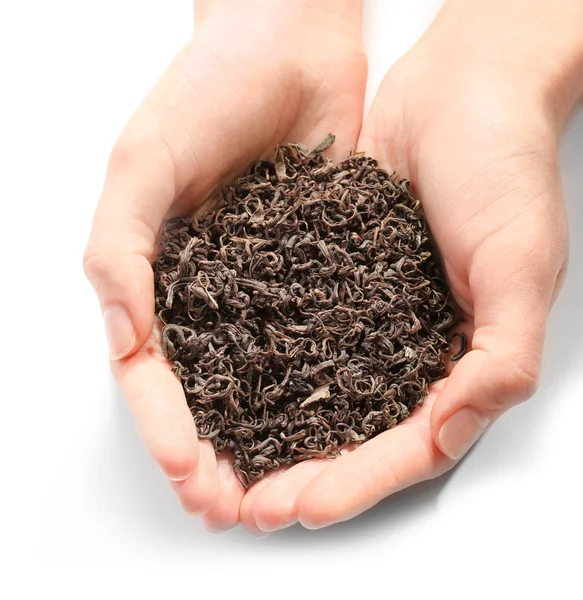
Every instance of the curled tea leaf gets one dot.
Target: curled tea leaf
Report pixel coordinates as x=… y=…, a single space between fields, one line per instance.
x=307 y=312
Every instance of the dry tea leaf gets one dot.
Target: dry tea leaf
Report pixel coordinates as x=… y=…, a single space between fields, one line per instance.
x=306 y=313
x=321 y=393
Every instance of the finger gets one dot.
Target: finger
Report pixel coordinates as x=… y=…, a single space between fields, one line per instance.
x=140 y=185
x=224 y=514
x=161 y=415
x=392 y=461
x=246 y=512
x=275 y=506
x=200 y=491
x=512 y=285
x=117 y=258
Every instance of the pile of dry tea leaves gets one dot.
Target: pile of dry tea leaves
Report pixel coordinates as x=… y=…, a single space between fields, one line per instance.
x=309 y=311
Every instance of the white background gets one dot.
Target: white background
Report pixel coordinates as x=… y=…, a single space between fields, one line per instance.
x=83 y=511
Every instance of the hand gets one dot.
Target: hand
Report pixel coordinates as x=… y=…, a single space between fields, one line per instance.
x=472 y=117
x=256 y=73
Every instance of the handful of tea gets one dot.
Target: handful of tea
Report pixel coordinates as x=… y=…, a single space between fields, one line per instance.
x=308 y=312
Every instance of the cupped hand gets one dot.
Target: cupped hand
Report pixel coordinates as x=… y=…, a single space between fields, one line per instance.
x=476 y=131
x=255 y=73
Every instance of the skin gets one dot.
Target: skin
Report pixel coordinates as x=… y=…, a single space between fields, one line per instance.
x=471 y=115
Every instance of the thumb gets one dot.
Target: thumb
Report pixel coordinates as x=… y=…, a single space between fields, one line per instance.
x=512 y=285
x=138 y=190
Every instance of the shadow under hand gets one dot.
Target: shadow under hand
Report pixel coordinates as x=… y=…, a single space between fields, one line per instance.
x=146 y=503
x=143 y=497
x=384 y=519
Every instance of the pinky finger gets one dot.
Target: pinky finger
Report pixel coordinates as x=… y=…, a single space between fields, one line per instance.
x=200 y=491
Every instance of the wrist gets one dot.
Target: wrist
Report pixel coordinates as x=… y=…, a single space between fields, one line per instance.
x=537 y=43
x=324 y=11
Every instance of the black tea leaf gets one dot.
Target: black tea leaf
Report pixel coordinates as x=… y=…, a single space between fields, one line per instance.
x=308 y=312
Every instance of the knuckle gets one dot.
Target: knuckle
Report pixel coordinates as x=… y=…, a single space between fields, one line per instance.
x=134 y=152
x=94 y=264
x=177 y=465
x=560 y=279
x=198 y=502
x=124 y=153
x=145 y=156
x=520 y=381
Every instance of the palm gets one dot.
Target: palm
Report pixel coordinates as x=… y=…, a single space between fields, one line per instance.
x=257 y=89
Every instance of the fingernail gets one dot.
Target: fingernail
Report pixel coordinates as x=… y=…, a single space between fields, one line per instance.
x=257 y=533
x=215 y=530
x=312 y=526
x=178 y=479
x=461 y=431
x=190 y=511
x=119 y=331
x=273 y=528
